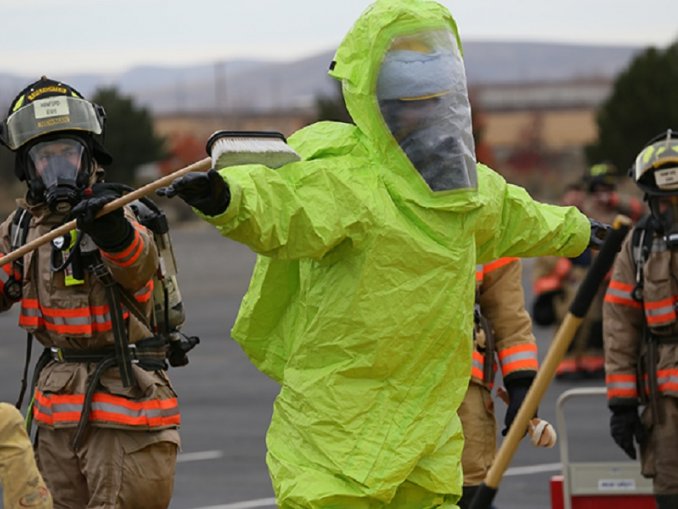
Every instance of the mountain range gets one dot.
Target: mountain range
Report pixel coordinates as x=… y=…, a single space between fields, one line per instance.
x=238 y=85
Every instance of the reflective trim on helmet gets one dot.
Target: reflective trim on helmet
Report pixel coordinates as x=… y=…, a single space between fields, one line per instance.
x=49 y=115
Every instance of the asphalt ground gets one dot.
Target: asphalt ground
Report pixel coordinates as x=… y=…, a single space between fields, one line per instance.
x=226 y=403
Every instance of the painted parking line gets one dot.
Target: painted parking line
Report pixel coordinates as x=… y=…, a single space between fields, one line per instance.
x=248 y=504
x=199 y=456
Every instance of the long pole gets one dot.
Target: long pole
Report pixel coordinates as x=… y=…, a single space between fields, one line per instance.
x=202 y=165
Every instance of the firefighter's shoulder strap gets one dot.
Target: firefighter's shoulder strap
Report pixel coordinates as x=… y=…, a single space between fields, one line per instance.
x=482 y=323
x=642 y=238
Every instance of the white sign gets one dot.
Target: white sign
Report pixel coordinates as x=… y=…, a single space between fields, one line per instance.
x=50 y=107
x=616 y=484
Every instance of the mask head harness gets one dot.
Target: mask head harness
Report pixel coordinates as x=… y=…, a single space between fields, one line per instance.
x=655 y=171
x=52 y=129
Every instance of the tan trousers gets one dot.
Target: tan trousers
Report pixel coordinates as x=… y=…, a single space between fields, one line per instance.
x=112 y=469
x=20 y=479
x=659 y=455
x=480 y=433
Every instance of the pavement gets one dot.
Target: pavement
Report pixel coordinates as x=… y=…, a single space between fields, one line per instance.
x=226 y=403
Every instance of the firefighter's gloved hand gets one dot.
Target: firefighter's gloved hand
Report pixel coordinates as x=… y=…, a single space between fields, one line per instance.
x=599 y=232
x=111 y=232
x=517 y=390
x=625 y=425
x=207 y=192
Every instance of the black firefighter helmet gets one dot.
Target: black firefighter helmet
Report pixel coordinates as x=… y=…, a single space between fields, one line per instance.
x=53 y=130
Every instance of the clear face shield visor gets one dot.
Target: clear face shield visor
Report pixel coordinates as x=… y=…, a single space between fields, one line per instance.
x=423 y=98
x=49 y=115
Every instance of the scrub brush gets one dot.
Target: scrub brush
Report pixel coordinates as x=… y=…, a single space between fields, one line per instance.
x=231 y=148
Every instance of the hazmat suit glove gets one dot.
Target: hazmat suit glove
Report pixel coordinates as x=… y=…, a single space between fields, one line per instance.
x=599 y=232
x=517 y=390
x=625 y=425
x=207 y=192
x=111 y=232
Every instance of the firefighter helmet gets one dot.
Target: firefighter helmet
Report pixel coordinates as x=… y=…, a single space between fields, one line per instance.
x=47 y=107
x=656 y=168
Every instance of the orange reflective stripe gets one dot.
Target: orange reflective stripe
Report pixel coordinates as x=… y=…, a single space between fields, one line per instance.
x=553 y=280
x=621 y=385
x=67 y=408
x=85 y=320
x=546 y=284
x=518 y=357
x=667 y=379
x=480 y=273
x=621 y=293
x=130 y=254
x=144 y=295
x=660 y=311
x=125 y=252
x=478 y=360
x=498 y=264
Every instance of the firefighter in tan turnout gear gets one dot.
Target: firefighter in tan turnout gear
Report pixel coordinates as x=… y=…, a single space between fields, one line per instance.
x=104 y=407
x=503 y=331
x=20 y=479
x=641 y=325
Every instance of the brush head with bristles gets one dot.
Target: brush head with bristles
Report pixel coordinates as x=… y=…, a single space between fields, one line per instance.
x=232 y=148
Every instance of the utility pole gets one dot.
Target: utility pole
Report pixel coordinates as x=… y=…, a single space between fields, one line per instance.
x=220 y=93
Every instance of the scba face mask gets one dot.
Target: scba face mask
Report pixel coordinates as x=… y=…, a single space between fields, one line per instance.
x=423 y=98
x=58 y=171
x=665 y=210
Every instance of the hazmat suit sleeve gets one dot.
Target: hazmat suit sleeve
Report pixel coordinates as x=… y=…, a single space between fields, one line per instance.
x=511 y=223
x=623 y=321
x=303 y=210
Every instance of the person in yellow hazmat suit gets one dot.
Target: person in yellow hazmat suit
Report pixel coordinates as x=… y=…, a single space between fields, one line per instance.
x=362 y=246
x=21 y=482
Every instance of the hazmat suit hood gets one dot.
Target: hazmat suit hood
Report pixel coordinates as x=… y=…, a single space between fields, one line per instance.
x=404 y=84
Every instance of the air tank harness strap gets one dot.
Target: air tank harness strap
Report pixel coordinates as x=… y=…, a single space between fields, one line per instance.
x=122 y=353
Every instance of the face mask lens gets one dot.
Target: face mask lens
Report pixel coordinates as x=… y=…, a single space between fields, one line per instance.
x=421 y=89
x=54 y=162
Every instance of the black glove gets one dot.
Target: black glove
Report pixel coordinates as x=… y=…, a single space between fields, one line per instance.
x=207 y=192
x=111 y=232
x=599 y=232
x=517 y=390
x=625 y=425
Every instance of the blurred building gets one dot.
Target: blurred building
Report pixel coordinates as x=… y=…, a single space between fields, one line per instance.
x=537 y=131
x=202 y=125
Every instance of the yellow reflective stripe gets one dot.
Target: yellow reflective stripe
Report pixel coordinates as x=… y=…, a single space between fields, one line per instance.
x=19 y=103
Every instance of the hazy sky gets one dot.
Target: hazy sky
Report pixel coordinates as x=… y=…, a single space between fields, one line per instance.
x=48 y=36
